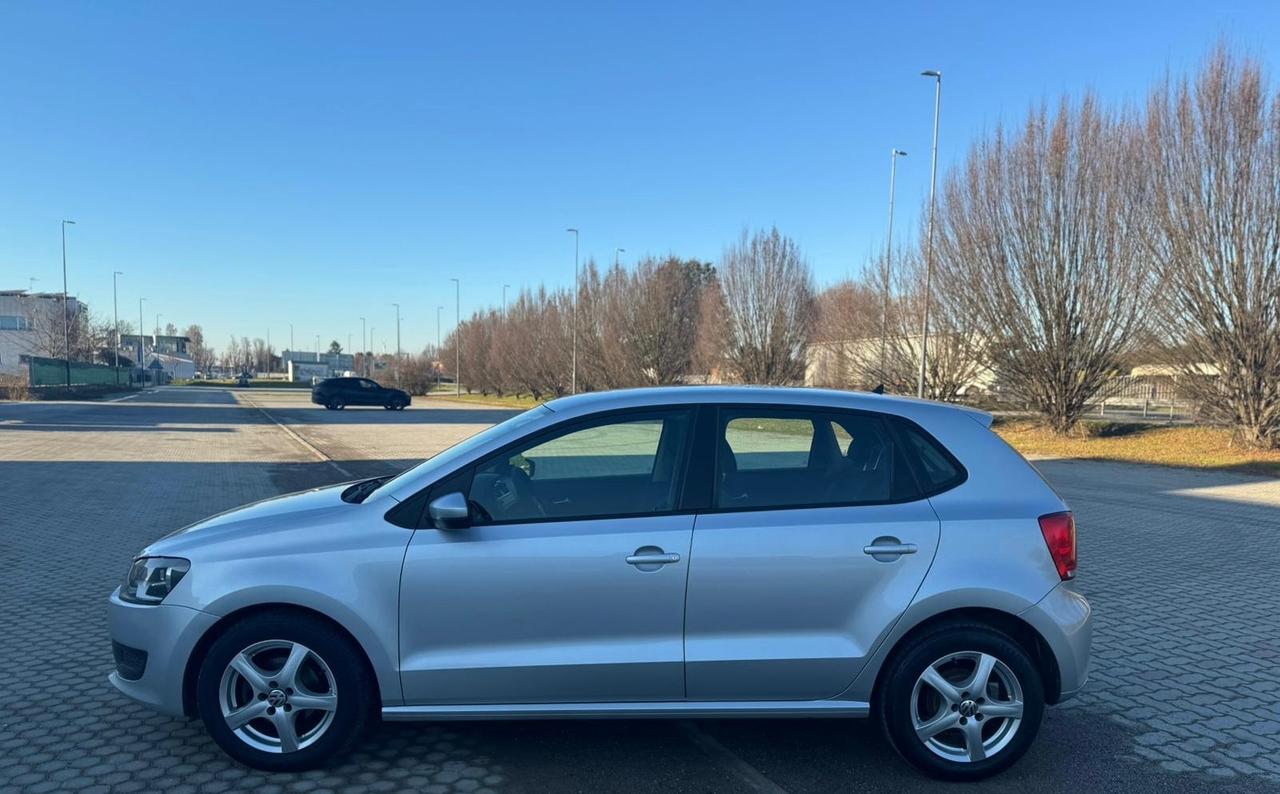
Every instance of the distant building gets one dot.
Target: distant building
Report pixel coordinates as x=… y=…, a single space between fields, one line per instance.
x=304 y=366
x=167 y=354
x=22 y=315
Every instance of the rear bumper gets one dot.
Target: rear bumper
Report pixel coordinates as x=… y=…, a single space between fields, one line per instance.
x=154 y=644
x=1065 y=620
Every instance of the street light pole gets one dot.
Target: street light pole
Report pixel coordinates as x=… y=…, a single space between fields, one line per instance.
x=573 y=374
x=438 y=310
x=888 y=262
x=928 y=257
x=457 y=337
x=504 y=299
x=155 y=337
x=617 y=251
x=141 y=351
x=66 y=316
x=397 y=342
x=115 y=313
x=291 y=348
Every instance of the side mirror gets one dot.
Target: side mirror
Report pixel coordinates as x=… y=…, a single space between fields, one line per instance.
x=450 y=511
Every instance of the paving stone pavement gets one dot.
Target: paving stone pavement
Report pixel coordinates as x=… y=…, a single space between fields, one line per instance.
x=1180 y=568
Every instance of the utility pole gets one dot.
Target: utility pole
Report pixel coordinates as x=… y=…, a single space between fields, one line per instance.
x=66 y=316
x=928 y=259
x=115 y=313
x=457 y=337
x=573 y=374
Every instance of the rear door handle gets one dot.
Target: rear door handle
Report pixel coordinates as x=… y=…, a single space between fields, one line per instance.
x=888 y=549
x=653 y=559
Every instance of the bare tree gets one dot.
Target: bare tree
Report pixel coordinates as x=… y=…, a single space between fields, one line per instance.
x=1039 y=239
x=1216 y=238
x=201 y=355
x=768 y=299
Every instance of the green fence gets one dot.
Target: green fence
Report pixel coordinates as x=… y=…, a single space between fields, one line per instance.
x=53 y=372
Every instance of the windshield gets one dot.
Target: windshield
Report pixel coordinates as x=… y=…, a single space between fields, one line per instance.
x=444 y=459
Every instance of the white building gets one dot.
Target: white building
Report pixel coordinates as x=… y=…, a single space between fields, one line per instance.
x=26 y=317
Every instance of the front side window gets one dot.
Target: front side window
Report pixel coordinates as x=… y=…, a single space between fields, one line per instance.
x=790 y=458
x=628 y=465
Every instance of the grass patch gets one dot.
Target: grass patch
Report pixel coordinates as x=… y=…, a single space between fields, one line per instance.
x=1162 y=445
x=505 y=401
x=262 y=383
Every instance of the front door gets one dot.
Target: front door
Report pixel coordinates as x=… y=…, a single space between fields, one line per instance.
x=786 y=600
x=569 y=587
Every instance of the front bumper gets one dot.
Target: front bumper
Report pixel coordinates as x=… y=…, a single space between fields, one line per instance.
x=1064 y=620
x=166 y=634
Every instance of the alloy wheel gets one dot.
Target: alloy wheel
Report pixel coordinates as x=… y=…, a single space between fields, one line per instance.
x=967 y=707
x=278 y=696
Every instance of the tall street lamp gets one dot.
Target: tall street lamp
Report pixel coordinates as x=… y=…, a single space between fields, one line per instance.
x=397 y=342
x=573 y=373
x=156 y=337
x=115 y=312
x=364 y=359
x=141 y=351
x=617 y=251
x=457 y=337
x=888 y=261
x=928 y=257
x=66 y=315
x=505 y=287
x=438 y=310
x=291 y=347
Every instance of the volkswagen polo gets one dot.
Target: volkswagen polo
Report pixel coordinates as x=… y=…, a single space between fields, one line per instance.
x=679 y=552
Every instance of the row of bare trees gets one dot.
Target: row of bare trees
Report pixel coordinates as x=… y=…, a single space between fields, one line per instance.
x=1066 y=245
x=664 y=321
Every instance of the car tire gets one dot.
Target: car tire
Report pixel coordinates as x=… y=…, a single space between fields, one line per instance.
x=336 y=404
x=947 y=735
x=246 y=675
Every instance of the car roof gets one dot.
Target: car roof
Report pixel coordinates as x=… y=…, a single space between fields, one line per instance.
x=776 y=396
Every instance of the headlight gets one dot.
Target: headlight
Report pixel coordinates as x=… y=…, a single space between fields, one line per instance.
x=150 y=579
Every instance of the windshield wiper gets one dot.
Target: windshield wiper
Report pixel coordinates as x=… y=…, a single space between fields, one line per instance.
x=357 y=493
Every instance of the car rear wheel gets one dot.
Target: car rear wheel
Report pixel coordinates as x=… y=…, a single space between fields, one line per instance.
x=283 y=692
x=336 y=404
x=963 y=702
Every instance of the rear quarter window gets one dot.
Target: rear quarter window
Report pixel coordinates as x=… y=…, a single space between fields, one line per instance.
x=936 y=468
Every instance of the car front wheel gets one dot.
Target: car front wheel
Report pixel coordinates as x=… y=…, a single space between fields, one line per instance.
x=963 y=702
x=336 y=404
x=284 y=692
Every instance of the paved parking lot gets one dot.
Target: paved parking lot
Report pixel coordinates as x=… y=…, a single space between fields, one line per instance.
x=1180 y=567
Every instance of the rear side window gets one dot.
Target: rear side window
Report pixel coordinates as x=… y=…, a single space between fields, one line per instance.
x=938 y=469
x=792 y=458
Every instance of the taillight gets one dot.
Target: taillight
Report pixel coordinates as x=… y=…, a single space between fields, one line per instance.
x=1059 y=530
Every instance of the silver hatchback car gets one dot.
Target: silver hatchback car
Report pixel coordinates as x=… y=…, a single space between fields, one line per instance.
x=681 y=552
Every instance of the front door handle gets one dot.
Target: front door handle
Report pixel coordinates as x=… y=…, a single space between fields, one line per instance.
x=888 y=549
x=651 y=558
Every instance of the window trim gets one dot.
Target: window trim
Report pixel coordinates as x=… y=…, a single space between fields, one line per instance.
x=885 y=420
x=583 y=422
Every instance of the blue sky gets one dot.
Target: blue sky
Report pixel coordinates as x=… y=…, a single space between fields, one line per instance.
x=248 y=165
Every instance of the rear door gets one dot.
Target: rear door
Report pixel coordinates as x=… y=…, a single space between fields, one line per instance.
x=815 y=544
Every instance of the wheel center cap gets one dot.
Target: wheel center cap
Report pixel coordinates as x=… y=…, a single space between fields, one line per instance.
x=275 y=698
x=968 y=708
